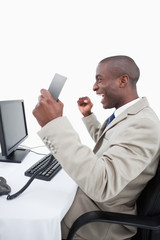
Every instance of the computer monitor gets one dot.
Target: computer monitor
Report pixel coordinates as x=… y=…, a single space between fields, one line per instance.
x=13 y=131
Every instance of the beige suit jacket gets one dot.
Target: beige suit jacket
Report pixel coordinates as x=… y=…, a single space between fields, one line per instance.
x=112 y=175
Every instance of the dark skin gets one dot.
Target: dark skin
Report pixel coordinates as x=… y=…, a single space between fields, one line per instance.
x=47 y=108
x=115 y=93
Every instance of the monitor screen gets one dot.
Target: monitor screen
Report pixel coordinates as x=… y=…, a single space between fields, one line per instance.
x=13 y=130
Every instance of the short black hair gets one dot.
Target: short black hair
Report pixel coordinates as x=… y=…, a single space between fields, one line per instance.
x=120 y=65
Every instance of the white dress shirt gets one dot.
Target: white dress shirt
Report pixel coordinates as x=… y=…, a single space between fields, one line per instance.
x=124 y=107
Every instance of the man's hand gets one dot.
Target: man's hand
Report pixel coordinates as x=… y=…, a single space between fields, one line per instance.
x=85 y=105
x=47 y=108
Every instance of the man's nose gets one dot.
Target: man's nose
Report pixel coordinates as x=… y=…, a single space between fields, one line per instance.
x=95 y=87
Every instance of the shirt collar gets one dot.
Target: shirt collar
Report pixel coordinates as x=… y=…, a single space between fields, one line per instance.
x=124 y=107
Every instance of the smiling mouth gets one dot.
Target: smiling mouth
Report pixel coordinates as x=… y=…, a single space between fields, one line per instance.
x=102 y=95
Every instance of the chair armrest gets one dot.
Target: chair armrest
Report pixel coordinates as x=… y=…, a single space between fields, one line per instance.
x=145 y=222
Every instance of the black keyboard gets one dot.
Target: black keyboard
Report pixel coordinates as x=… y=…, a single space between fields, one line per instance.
x=48 y=172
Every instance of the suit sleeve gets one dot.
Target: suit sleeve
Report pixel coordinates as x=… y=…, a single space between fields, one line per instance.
x=93 y=126
x=102 y=177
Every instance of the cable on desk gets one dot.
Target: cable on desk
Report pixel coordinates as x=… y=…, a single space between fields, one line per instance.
x=10 y=197
x=30 y=148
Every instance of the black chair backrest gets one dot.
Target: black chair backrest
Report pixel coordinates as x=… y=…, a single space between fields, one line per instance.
x=148 y=204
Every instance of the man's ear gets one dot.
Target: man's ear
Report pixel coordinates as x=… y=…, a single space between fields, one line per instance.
x=123 y=81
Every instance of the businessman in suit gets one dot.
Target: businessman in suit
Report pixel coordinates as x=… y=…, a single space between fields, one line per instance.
x=126 y=153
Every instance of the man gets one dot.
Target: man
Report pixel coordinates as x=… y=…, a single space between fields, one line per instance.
x=126 y=154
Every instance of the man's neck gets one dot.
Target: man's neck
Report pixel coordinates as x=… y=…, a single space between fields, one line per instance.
x=125 y=106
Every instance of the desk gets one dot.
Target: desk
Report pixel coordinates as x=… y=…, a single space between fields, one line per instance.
x=36 y=214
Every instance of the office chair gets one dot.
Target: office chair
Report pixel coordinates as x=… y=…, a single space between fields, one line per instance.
x=147 y=219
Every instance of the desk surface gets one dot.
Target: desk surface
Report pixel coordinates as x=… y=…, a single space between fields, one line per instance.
x=36 y=214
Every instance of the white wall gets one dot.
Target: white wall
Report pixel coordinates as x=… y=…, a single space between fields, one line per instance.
x=39 y=38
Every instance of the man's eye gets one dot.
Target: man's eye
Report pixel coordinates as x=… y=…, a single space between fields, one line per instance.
x=99 y=80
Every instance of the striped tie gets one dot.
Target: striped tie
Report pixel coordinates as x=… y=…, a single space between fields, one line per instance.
x=110 y=119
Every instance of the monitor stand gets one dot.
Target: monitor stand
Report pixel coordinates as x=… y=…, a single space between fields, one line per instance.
x=15 y=157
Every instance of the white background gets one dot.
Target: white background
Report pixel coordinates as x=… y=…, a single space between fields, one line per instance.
x=41 y=37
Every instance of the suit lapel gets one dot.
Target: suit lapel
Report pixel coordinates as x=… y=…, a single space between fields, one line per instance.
x=118 y=119
x=134 y=109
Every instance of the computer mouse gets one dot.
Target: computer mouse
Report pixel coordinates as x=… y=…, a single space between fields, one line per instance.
x=4 y=187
